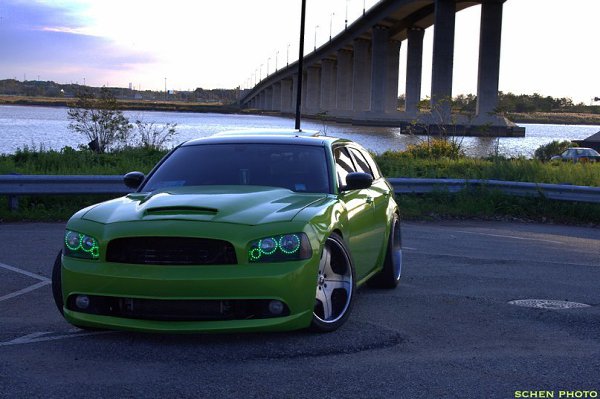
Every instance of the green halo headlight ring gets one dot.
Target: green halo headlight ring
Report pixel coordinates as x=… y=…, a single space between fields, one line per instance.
x=280 y=248
x=88 y=244
x=289 y=243
x=81 y=246
x=268 y=246
x=73 y=240
x=255 y=254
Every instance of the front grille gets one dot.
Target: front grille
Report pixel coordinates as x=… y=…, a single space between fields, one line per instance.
x=176 y=310
x=170 y=251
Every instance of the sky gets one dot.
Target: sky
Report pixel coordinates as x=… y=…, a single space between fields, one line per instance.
x=550 y=47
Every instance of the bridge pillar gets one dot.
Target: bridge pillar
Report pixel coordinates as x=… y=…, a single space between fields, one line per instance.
x=379 y=65
x=443 y=58
x=303 y=105
x=393 y=72
x=414 y=70
x=269 y=99
x=276 y=101
x=328 y=85
x=262 y=100
x=361 y=87
x=489 y=59
x=343 y=94
x=313 y=89
x=294 y=91
x=286 y=95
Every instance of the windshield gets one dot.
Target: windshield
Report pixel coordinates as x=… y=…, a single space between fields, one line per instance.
x=299 y=168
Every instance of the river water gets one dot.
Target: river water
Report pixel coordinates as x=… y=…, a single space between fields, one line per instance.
x=47 y=127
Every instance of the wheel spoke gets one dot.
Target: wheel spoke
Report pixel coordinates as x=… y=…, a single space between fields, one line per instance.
x=325 y=260
x=331 y=275
x=324 y=297
x=334 y=285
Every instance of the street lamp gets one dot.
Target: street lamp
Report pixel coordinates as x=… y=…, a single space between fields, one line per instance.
x=330 y=24
x=287 y=55
x=268 y=59
x=260 y=73
x=316 y=27
x=346 y=20
x=276 y=56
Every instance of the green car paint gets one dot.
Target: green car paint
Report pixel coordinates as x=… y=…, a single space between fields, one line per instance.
x=242 y=215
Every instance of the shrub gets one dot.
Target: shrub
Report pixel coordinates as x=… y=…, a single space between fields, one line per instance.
x=436 y=148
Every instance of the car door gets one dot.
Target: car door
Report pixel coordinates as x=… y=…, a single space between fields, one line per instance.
x=379 y=193
x=361 y=237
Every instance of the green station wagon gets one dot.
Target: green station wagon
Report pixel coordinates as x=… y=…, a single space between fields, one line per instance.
x=241 y=231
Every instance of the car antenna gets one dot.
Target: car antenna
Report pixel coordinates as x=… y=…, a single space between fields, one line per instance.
x=300 y=66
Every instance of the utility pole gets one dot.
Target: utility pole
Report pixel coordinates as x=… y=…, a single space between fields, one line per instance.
x=300 y=65
x=330 y=24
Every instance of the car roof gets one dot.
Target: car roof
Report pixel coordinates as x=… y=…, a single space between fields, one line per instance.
x=269 y=132
x=275 y=136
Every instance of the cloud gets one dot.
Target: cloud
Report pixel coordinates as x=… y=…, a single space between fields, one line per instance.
x=35 y=35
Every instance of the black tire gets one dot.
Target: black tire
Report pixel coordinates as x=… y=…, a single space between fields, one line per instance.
x=389 y=276
x=57 y=283
x=335 y=286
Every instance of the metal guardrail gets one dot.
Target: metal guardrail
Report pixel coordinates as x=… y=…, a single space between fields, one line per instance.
x=561 y=192
x=14 y=186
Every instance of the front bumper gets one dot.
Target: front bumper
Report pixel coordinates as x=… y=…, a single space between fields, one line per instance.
x=292 y=282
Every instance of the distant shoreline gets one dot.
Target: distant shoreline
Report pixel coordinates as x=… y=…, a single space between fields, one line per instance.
x=553 y=118
x=127 y=105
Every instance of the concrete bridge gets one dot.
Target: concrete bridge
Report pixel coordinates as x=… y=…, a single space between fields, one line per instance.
x=354 y=77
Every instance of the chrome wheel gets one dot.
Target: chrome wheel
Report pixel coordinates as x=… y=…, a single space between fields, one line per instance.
x=396 y=250
x=335 y=285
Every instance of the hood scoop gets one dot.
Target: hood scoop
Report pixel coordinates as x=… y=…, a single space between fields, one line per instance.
x=180 y=210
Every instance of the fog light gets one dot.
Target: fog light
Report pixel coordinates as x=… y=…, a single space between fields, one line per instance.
x=82 y=301
x=276 y=307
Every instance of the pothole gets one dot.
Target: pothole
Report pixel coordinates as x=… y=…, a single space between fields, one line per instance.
x=552 y=304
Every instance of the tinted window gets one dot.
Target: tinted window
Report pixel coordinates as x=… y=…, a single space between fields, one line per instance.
x=296 y=167
x=361 y=163
x=343 y=165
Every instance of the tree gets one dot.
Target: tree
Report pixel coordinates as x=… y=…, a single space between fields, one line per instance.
x=155 y=136
x=100 y=120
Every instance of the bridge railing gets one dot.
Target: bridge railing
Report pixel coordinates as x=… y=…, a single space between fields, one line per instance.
x=14 y=186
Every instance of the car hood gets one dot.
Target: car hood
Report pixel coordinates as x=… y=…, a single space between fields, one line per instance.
x=248 y=205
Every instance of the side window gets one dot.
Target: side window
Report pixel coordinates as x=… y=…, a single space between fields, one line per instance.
x=343 y=165
x=375 y=172
x=361 y=163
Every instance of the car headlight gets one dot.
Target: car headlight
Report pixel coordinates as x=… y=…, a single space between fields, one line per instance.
x=280 y=248
x=80 y=245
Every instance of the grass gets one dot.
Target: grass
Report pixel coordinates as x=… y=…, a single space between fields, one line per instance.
x=493 y=205
x=558 y=118
x=69 y=161
x=396 y=164
x=482 y=204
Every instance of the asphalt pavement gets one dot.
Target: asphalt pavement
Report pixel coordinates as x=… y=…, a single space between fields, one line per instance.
x=447 y=331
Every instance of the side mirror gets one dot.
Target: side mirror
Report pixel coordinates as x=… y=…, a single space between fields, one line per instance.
x=358 y=180
x=133 y=179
